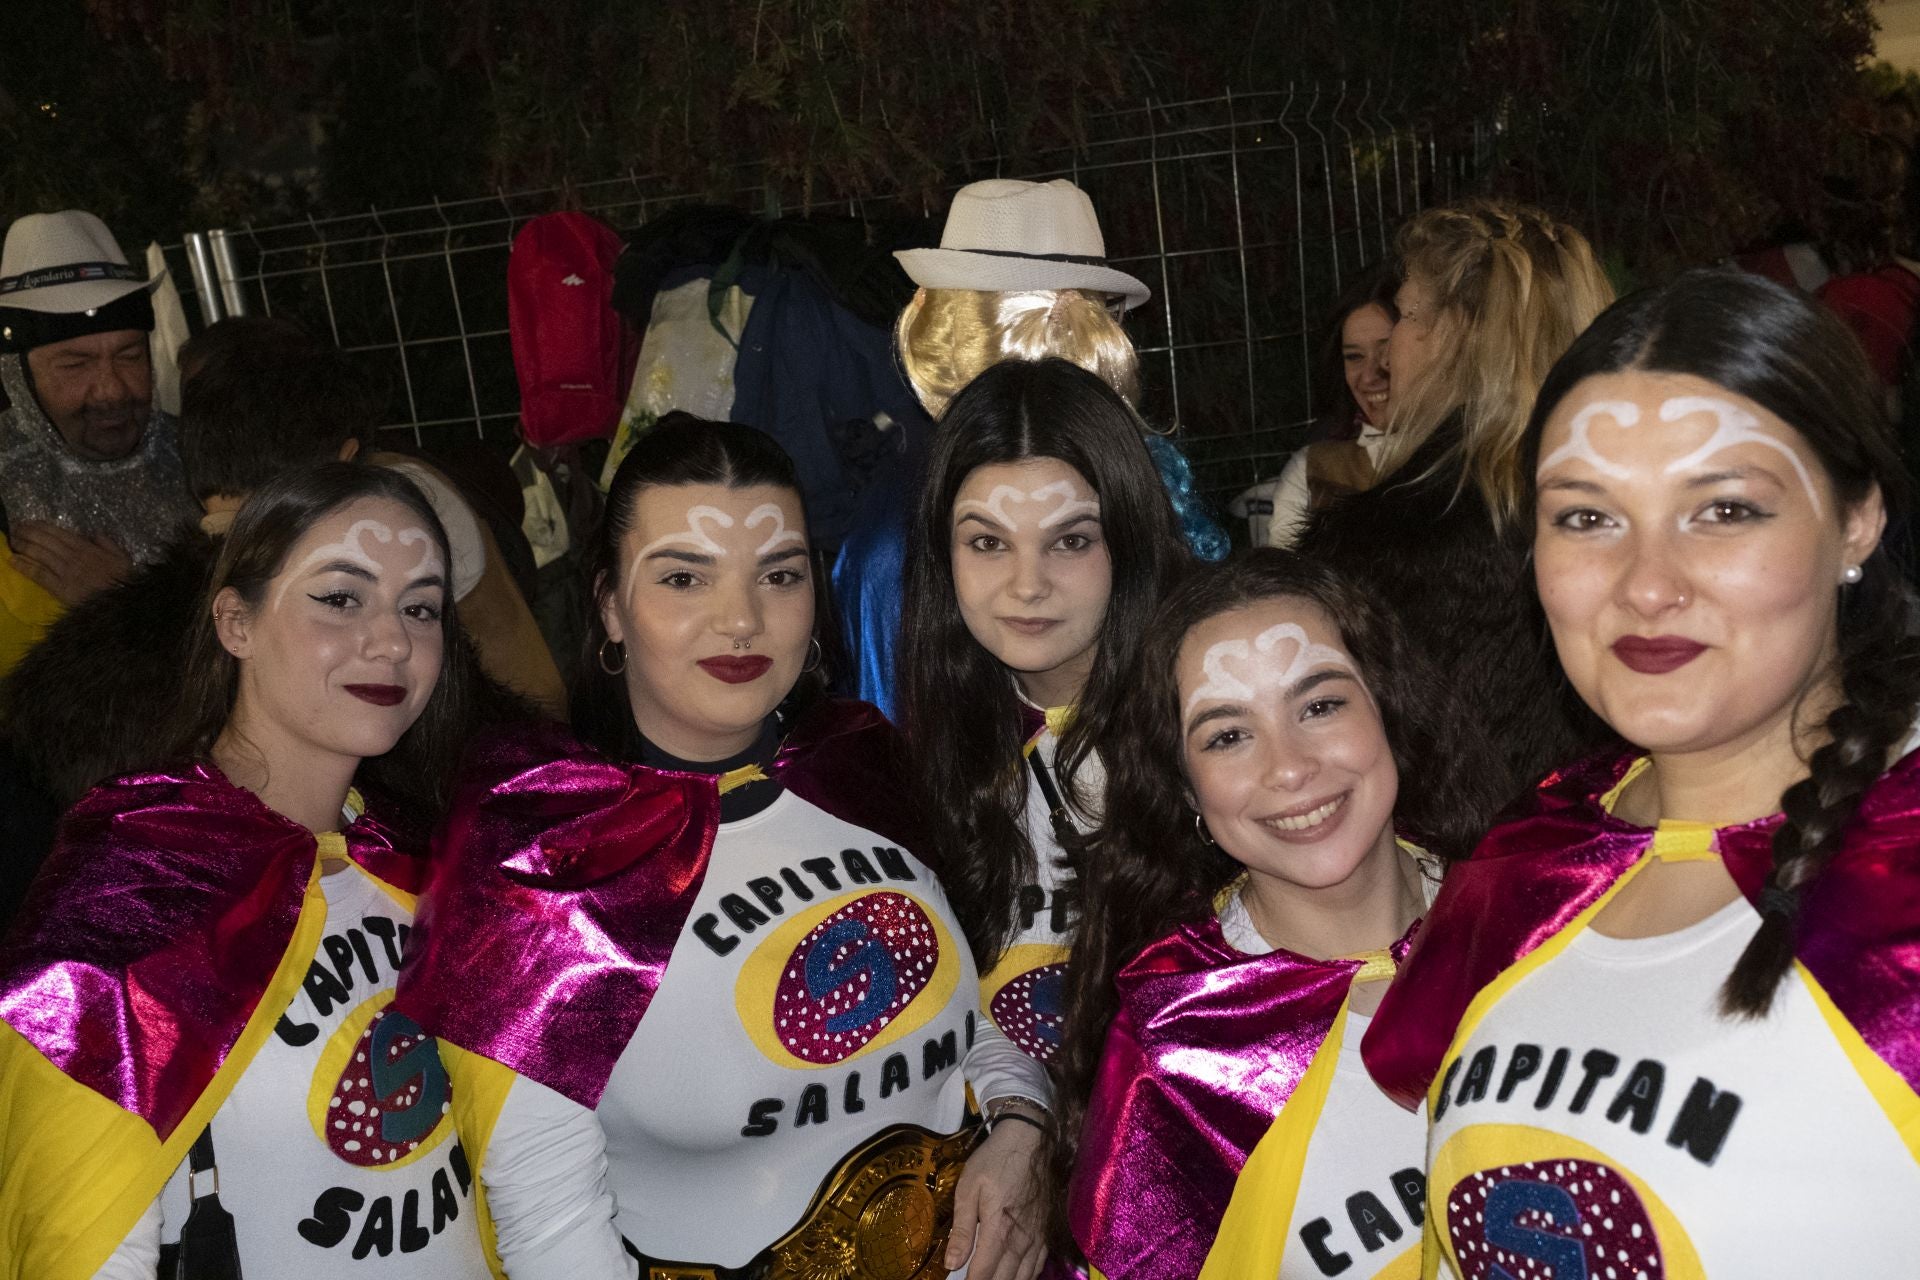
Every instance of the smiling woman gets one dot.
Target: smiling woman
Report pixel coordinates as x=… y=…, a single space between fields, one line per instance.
x=1245 y=897
x=216 y=936
x=1716 y=924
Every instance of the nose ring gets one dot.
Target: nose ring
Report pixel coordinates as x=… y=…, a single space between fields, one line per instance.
x=743 y=644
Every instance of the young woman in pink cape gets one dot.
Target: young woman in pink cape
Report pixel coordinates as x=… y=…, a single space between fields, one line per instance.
x=1246 y=895
x=1664 y=1018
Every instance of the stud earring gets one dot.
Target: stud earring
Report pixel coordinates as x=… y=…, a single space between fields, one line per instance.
x=1851 y=574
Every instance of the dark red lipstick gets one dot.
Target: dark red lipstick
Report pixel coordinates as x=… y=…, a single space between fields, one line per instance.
x=380 y=695
x=738 y=670
x=1656 y=655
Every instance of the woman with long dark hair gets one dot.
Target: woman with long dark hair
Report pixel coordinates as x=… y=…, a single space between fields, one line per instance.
x=1245 y=895
x=730 y=1019
x=1355 y=384
x=196 y=995
x=1680 y=986
x=1041 y=545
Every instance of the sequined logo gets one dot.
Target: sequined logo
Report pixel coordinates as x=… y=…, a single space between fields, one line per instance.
x=380 y=1098
x=1570 y=1215
x=839 y=981
x=1025 y=995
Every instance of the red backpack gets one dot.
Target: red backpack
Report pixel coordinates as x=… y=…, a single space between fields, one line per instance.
x=573 y=353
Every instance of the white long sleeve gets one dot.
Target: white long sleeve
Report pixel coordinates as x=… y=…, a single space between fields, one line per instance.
x=996 y=1068
x=1291 y=504
x=545 y=1175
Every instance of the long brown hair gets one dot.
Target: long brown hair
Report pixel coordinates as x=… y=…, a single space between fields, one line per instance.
x=1147 y=869
x=421 y=767
x=958 y=702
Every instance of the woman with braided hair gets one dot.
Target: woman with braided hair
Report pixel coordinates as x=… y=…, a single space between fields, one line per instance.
x=1491 y=293
x=1682 y=983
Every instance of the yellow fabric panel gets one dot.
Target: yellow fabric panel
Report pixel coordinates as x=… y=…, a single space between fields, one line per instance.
x=26 y=611
x=1259 y=1219
x=480 y=1088
x=80 y=1170
x=1895 y=1096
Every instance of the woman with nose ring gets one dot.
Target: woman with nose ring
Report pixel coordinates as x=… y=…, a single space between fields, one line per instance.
x=1664 y=1018
x=198 y=1049
x=706 y=1009
x=1246 y=897
x=1042 y=542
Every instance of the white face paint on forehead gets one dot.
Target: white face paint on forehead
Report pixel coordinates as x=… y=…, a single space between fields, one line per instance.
x=1257 y=669
x=697 y=538
x=1580 y=446
x=1733 y=426
x=768 y=512
x=1066 y=504
x=352 y=549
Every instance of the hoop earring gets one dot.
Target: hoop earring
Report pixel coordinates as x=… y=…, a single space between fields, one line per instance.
x=815 y=656
x=610 y=670
x=1200 y=829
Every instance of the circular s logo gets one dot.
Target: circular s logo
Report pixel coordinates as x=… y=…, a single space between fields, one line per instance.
x=1025 y=995
x=839 y=981
x=380 y=1098
x=1551 y=1209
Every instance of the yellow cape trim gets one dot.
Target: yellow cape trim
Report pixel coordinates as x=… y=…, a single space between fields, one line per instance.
x=734 y=779
x=480 y=1088
x=81 y=1171
x=1259 y=1219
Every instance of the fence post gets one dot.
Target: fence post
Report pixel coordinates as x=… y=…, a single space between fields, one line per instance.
x=226 y=266
x=206 y=286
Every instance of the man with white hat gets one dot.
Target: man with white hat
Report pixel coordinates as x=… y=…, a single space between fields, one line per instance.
x=90 y=478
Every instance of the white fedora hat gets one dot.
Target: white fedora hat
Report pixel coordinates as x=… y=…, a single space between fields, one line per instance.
x=66 y=262
x=1004 y=235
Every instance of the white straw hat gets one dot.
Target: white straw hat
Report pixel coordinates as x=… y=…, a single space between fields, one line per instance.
x=1004 y=235
x=66 y=262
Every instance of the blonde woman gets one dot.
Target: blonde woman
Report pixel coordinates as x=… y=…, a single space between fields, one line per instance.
x=1491 y=294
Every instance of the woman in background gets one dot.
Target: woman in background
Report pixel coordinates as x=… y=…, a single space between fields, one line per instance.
x=1491 y=294
x=1341 y=461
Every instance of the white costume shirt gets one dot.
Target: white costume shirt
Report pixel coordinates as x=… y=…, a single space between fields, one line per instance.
x=336 y=1152
x=1603 y=1118
x=820 y=993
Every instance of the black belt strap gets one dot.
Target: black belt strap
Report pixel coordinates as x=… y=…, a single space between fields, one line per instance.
x=1064 y=832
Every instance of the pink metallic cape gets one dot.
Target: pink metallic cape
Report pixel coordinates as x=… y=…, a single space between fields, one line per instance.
x=155 y=927
x=1208 y=1046
x=563 y=880
x=1858 y=932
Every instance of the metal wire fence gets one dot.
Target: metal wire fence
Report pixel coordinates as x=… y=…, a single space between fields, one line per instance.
x=1244 y=212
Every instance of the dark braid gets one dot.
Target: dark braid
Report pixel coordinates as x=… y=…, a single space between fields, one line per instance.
x=1880 y=687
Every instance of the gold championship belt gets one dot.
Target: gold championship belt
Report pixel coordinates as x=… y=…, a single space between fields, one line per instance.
x=883 y=1213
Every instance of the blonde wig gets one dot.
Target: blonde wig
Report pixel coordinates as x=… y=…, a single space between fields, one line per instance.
x=1509 y=290
x=948 y=337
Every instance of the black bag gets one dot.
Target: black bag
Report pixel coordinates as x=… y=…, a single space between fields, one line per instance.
x=207 y=1249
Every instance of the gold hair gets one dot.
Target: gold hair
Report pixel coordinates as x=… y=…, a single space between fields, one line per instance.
x=949 y=337
x=1510 y=289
